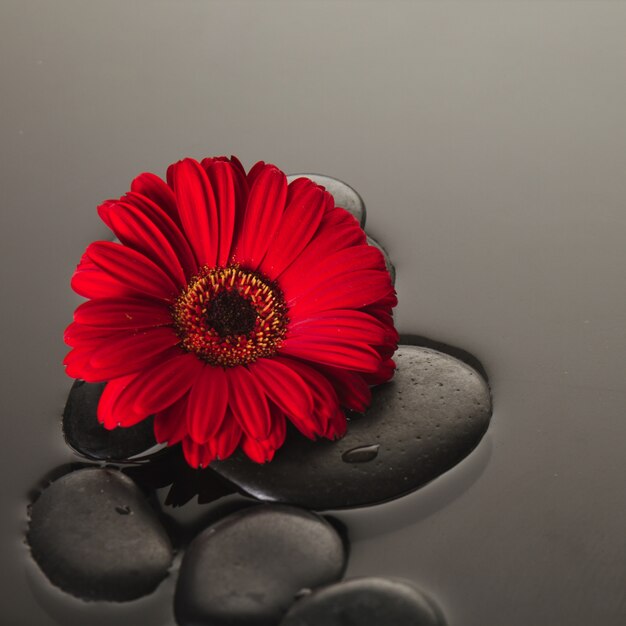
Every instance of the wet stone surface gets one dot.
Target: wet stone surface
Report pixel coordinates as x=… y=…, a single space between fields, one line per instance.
x=94 y=535
x=427 y=419
x=247 y=568
x=87 y=436
x=343 y=194
x=366 y=602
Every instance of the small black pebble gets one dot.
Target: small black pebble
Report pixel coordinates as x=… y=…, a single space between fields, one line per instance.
x=94 y=535
x=365 y=602
x=247 y=568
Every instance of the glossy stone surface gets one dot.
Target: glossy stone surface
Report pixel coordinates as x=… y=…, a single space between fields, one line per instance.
x=247 y=568
x=366 y=602
x=87 y=436
x=344 y=195
x=427 y=419
x=94 y=535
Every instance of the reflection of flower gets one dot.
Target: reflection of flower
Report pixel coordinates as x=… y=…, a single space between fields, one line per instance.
x=234 y=302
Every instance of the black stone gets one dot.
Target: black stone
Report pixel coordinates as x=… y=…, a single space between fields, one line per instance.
x=366 y=602
x=94 y=535
x=427 y=419
x=247 y=568
x=88 y=437
x=344 y=195
x=390 y=267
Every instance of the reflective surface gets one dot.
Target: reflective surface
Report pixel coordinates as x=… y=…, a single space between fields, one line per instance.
x=488 y=141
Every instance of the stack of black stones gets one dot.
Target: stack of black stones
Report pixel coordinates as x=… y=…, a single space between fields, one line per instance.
x=261 y=554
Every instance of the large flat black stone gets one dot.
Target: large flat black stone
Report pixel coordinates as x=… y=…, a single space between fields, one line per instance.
x=247 y=568
x=366 y=602
x=427 y=419
x=94 y=535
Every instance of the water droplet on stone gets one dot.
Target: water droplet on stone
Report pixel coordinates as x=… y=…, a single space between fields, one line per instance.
x=362 y=454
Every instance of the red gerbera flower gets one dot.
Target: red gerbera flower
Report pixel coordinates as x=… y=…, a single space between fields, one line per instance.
x=233 y=303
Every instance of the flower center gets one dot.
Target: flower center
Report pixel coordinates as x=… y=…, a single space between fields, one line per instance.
x=230 y=316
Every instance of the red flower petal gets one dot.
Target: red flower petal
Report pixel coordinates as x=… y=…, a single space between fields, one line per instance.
x=227 y=438
x=352 y=390
x=170 y=424
x=350 y=291
x=356 y=356
x=157 y=191
x=197 y=208
x=263 y=451
x=115 y=407
x=77 y=365
x=222 y=179
x=300 y=221
x=86 y=336
x=248 y=403
x=384 y=373
x=162 y=385
x=266 y=204
x=325 y=399
x=341 y=264
x=170 y=229
x=122 y=313
x=133 y=269
x=198 y=455
x=337 y=425
x=90 y=281
x=208 y=400
x=131 y=352
x=341 y=325
x=284 y=387
x=135 y=230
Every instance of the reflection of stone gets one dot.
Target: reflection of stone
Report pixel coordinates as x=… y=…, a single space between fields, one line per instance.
x=366 y=602
x=344 y=195
x=89 y=438
x=94 y=535
x=427 y=419
x=247 y=567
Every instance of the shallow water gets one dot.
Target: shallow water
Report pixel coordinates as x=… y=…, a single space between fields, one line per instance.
x=489 y=143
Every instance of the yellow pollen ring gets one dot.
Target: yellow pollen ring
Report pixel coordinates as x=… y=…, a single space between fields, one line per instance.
x=255 y=305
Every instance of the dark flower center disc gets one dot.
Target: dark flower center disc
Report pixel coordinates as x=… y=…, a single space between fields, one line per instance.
x=229 y=313
x=230 y=316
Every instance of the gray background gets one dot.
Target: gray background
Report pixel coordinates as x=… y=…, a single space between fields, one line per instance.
x=489 y=142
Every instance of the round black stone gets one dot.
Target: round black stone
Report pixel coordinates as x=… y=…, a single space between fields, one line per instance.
x=231 y=314
x=94 y=535
x=427 y=419
x=366 y=602
x=248 y=568
x=85 y=434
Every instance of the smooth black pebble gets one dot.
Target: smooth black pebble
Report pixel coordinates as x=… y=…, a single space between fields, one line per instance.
x=344 y=195
x=390 y=267
x=427 y=419
x=366 y=602
x=88 y=437
x=94 y=535
x=248 y=568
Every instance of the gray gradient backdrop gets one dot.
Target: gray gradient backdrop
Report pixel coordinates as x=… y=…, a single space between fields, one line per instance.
x=488 y=140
